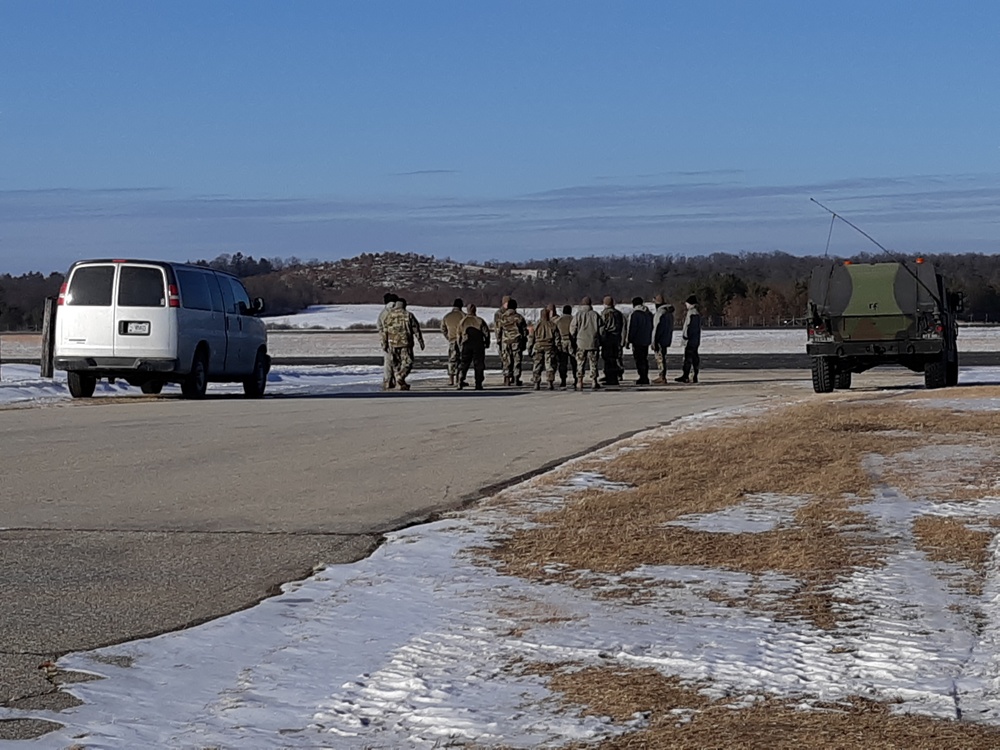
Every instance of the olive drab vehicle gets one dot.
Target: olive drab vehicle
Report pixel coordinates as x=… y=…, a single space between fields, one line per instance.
x=862 y=315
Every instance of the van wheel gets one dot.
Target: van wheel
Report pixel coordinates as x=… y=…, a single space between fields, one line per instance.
x=152 y=387
x=253 y=387
x=822 y=372
x=196 y=383
x=842 y=380
x=80 y=384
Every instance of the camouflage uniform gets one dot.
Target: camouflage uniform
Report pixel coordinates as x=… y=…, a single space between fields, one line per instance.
x=613 y=344
x=513 y=335
x=449 y=328
x=388 y=373
x=587 y=331
x=566 y=349
x=397 y=340
x=504 y=364
x=473 y=340
x=543 y=344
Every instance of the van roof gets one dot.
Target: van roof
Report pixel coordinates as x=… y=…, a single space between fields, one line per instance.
x=162 y=263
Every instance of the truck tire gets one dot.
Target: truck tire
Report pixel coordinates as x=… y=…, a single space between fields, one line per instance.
x=152 y=387
x=936 y=372
x=842 y=380
x=952 y=374
x=822 y=372
x=196 y=383
x=81 y=385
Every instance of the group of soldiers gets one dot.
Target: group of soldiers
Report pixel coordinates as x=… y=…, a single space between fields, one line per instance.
x=563 y=344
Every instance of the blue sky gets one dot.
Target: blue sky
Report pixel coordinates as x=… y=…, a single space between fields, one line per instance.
x=493 y=129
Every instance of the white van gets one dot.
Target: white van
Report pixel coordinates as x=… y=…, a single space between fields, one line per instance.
x=152 y=322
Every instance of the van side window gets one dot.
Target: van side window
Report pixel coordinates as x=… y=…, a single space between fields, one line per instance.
x=227 y=295
x=91 y=286
x=240 y=293
x=141 y=286
x=218 y=304
x=195 y=292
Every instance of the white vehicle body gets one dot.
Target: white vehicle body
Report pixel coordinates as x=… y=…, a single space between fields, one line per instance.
x=152 y=322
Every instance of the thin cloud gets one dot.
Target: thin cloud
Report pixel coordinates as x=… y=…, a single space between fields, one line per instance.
x=422 y=172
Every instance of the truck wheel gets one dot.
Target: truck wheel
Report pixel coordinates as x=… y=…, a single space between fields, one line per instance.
x=152 y=387
x=842 y=380
x=196 y=383
x=952 y=374
x=253 y=387
x=936 y=373
x=822 y=372
x=80 y=384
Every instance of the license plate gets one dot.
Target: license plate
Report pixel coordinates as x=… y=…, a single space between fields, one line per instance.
x=133 y=328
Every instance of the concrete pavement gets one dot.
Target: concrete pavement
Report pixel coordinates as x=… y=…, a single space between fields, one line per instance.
x=123 y=518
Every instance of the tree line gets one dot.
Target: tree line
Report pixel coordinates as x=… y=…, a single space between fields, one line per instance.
x=732 y=289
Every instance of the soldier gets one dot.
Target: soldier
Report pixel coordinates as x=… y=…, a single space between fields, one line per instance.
x=566 y=353
x=473 y=340
x=414 y=327
x=612 y=342
x=663 y=336
x=691 y=336
x=639 y=336
x=449 y=329
x=496 y=331
x=513 y=335
x=397 y=339
x=388 y=374
x=542 y=347
x=587 y=330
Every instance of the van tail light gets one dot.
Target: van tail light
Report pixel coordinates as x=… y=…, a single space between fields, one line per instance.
x=173 y=299
x=62 y=294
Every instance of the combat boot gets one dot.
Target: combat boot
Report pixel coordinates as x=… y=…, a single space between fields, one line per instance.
x=518 y=382
x=461 y=384
x=660 y=380
x=682 y=379
x=451 y=380
x=562 y=382
x=403 y=385
x=552 y=385
x=694 y=378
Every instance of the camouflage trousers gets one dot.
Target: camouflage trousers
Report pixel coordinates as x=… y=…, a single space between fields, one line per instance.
x=454 y=358
x=504 y=360
x=388 y=372
x=567 y=362
x=402 y=361
x=583 y=357
x=543 y=360
x=661 y=363
x=512 y=357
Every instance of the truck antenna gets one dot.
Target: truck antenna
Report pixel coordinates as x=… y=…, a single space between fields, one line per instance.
x=877 y=244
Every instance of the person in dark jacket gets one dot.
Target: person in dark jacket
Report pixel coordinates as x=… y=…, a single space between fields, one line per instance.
x=612 y=342
x=691 y=338
x=663 y=336
x=473 y=341
x=639 y=335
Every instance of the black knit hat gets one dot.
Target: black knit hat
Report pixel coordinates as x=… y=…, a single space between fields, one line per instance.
x=458 y=302
x=692 y=300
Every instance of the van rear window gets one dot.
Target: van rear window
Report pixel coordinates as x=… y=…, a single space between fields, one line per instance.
x=91 y=286
x=141 y=286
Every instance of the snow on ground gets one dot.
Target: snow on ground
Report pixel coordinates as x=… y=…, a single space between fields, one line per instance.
x=415 y=646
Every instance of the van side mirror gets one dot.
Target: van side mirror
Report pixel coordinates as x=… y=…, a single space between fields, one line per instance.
x=258 y=305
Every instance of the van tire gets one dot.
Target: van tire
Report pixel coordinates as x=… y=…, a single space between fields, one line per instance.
x=842 y=380
x=822 y=374
x=196 y=383
x=80 y=384
x=152 y=387
x=253 y=386
x=936 y=373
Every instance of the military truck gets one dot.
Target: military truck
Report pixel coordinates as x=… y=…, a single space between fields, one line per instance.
x=862 y=315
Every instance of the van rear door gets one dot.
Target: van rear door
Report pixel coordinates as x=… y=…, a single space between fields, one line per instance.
x=85 y=322
x=145 y=322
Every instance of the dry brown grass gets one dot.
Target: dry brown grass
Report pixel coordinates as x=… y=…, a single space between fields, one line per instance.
x=681 y=718
x=814 y=450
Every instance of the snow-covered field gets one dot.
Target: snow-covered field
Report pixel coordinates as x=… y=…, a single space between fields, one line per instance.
x=415 y=646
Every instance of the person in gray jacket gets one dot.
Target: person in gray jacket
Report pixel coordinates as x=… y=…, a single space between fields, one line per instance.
x=639 y=335
x=587 y=330
x=663 y=336
x=691 y=336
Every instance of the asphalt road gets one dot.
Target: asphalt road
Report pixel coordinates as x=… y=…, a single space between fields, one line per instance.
x=123 y=518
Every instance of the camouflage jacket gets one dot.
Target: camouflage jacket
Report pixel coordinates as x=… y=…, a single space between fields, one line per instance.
x=513 y=330
x=449 y=324
x=614 y=326
x=544 y=337
x=587 y=328
x=397 y=329
x=473 y=329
